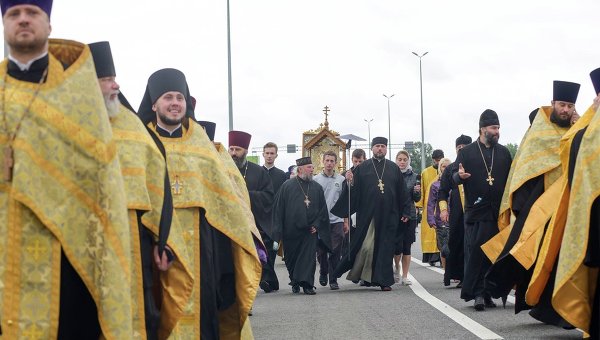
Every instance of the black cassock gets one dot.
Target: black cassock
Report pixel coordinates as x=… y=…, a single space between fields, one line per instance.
x=277 y=177
x=449 y=192
x=292 y=221
x=482 y=204
x=384 y=209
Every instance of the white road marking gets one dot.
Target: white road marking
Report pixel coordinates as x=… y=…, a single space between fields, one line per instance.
x=510 y=298
x=469 y=324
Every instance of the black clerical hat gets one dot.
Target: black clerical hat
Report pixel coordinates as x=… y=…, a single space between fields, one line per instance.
x=103 y=59
x=379 y=140
x=303 y=161
x=45 y=5
x=532 y=115
x=209 y=128
x=437 y=154
x=565 y=91
x=595 y=75
x=160 y=82
x=462 y=140
x=488 y=117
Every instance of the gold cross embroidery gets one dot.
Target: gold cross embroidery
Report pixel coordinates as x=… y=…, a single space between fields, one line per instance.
x=177 y=186
x=36 y=249
x=33 y=333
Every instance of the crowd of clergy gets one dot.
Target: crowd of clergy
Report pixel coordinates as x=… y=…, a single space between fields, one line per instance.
x=120 y=223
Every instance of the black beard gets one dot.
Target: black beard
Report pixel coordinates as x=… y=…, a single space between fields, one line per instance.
x=491 y=139
x=555 y=118
x=168 y=121
x=379 y=157
x=239 y=162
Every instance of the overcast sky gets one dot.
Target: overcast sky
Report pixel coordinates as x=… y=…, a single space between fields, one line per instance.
x=291 y=58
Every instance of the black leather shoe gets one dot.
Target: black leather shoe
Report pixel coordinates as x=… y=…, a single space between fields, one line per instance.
x=264 y=285
x=334 y=286
x=295 y=289
x=309 y=291
x=386 y=288
x=323 y=279
x=479 y=304
x=488 y=302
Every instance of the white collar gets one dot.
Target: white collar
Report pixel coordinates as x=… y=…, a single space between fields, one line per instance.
x=26 y=66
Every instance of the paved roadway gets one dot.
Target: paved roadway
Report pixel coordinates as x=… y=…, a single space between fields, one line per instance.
x=425 y=310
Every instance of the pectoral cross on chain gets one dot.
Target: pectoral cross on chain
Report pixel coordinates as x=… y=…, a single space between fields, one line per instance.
x=177 y=186
x=306 y=201
x=381 y=186
x=490 y=180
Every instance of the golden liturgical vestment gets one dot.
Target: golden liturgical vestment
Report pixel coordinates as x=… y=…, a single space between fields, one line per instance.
x=67 y=195
x=428 y=238
x=200 y=182
x=567 y=235
x=537 y=156
x=143 y=168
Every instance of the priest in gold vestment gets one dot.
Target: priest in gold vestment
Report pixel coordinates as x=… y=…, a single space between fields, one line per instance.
x=65 y=251
x=530 y=196
x=429 y=175
x=218 y=244
x=150 y=207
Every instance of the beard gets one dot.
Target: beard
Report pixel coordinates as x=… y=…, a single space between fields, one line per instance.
x=379 y=155
x=306 y=177
x=27 y=46
x=169 y=121
x=112 y=105
x=558 y=120
x=491 y=139
x=239 y=161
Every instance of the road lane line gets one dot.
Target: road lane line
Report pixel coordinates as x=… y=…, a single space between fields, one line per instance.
x=509 y=299
x=469 y=324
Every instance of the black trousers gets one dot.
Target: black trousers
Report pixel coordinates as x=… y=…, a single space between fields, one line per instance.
x=329 y=261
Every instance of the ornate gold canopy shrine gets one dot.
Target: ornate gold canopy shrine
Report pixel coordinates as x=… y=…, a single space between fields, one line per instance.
x=316 y=142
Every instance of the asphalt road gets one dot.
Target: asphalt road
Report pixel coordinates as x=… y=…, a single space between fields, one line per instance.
x=425 y=310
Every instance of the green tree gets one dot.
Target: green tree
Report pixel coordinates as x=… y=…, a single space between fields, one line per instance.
x=415 y=156
x=512 y=148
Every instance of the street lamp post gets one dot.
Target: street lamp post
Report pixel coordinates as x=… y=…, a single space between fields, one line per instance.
x=229 y=71
x=422 y=126
x=369 y=132
x=389 y=126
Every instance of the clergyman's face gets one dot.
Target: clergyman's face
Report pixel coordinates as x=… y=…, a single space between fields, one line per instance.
x=110 y=92
x=306 y=172
x=269 y=155
x=491 y=133
x=379 y=150
x=563 y=110
x=26 y=29
x=170 y=108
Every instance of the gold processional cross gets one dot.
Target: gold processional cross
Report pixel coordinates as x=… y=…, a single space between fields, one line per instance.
x=177 y=186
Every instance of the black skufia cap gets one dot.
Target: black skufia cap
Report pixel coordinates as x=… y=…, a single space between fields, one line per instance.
x=379 y=140
x=103 y=59
x=565 y=91
x=595 y=75
x=488 y=117
x=160 y=82
x=209 y=128
x=462 y=140
x=303 y=161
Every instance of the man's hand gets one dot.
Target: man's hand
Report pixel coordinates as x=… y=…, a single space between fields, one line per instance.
x=312 y=230
x=461 y=172
x=349 y=176
x=275 y=246
x=575 y=116
x=444 y=216
x=346 y=226
x=417 y=188
x=404 y=219
x=162 y=262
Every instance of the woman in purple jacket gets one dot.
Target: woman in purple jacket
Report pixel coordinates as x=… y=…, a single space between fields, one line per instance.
x=433 y=214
